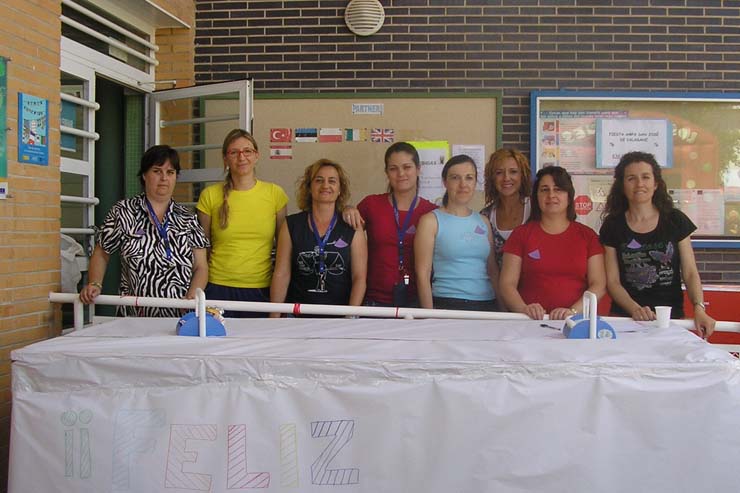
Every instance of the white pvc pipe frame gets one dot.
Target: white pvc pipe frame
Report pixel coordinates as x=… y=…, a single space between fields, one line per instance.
x=199 y=305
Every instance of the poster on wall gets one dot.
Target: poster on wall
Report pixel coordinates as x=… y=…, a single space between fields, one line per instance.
x=432 y=157
x=568 y=138
x=33 y=130
x=615 y=137
x=3 y=138
x=478 y=153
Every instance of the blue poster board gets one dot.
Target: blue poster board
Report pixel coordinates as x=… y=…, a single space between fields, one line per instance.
x=33 y=130
x=694 y=137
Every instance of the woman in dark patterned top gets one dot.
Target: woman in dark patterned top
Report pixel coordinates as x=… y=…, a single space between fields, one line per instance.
x=320 y=258
x=163 y=248
x=648 y=248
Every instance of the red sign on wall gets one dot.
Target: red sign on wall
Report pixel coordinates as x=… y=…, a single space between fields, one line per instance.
x=583 y=205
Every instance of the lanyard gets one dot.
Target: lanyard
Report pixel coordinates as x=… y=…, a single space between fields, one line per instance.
x=161 y=228
x=321 y=242
x=401 y=230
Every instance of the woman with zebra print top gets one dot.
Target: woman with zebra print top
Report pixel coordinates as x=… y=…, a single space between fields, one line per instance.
x=162 y=245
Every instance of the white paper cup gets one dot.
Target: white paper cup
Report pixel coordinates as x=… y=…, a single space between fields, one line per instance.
x=663 y=314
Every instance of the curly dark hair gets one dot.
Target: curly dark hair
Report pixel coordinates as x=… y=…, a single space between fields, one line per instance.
x=616 y=202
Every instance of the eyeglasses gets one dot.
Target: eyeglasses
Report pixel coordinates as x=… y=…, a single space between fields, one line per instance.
x=246 y=152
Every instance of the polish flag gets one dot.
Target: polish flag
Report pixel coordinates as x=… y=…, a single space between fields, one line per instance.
x=330 y=135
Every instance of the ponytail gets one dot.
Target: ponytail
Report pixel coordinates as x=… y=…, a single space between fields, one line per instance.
x=223 y=211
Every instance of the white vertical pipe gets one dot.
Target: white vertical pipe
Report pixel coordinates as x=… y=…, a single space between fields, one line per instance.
x=79 y=314
x=590 y=310
x=200 y=311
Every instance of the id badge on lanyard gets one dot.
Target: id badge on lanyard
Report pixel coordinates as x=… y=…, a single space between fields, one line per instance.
x=401 y=233
x=321 y=251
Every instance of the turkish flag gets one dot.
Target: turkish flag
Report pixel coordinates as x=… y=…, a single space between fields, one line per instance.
x=281 y=135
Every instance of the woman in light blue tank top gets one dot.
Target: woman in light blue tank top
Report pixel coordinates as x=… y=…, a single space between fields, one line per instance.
x=455 y=262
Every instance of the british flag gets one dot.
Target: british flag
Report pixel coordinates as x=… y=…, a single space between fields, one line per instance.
x=382 y=135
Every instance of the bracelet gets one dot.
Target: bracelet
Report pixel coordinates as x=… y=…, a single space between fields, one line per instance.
x=701 y=305
x=572 y=310
x=96 y=284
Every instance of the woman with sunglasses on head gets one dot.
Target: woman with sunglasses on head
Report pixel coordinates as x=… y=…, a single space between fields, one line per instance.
x=508 y=187
x=456 y=243
x=390 y=221
x=648 y=246
x=320 y=258
x=161 y=244
x=551 y=260
x=241 y=216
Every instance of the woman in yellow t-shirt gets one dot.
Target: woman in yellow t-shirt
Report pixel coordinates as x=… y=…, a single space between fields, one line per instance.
x=241 y=217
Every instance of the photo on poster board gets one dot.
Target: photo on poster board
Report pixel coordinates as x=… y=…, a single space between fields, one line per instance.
x=568 y=138
x=33 y=130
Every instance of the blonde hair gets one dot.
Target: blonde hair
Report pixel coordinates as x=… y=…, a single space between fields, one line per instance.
x=525 y=190
x=237 y=133
x=303 y=185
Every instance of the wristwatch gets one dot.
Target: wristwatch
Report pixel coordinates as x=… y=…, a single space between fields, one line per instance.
x=702 y=305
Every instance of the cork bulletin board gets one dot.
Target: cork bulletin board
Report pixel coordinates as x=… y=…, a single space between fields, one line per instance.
x=355 y=129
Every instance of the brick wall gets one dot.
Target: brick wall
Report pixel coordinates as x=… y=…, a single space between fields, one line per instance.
x=513 y=45
x=29 y=217
x=176 y=52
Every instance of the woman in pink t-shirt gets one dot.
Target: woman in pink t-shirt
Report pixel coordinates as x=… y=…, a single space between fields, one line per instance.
x=551 y=260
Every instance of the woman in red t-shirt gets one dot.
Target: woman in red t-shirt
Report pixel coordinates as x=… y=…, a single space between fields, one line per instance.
x=551 y=260
x=390 y=221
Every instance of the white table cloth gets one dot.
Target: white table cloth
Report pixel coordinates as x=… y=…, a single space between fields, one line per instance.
x=373 y=406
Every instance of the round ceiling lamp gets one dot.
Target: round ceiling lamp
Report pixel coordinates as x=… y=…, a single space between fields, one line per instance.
x=364 y=17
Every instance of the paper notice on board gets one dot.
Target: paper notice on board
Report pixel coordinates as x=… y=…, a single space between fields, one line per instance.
x=598 y=188
x=432 y=156
x=706 y=208
x=616 y=137
x=478 y=153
